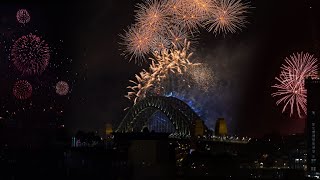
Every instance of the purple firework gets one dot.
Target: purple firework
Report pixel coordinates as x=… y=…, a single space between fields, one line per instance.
x=22 y=89
x=23 y=16
x=30 y=54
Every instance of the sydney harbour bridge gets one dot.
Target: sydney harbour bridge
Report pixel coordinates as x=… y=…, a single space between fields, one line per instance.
x=163 y=114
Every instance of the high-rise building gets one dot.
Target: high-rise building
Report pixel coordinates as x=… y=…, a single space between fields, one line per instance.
x=312 y=130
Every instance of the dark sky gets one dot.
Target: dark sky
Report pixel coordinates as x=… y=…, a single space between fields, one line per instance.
x=245 y=63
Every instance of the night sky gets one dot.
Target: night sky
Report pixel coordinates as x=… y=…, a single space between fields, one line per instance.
x=85 y=36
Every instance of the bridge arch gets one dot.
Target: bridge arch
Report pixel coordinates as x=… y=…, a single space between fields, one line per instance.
x=178 y=112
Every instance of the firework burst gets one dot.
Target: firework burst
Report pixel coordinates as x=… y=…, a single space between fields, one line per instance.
x=160 y=24
x=184 y=14
x=290 y=86
x=137 y=43
x=153 y=31
x=30 y=54
x=177 y=35
x=22 y=89
x=204 y=8
x=163 y=64
x=159 y=43
x=23 y=16
x=152 y=16
x=62 y=88
x=228 y=17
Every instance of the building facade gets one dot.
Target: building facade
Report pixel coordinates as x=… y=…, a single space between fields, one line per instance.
x=312 y=130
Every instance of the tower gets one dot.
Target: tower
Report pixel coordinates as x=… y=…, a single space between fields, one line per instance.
x=108 y=130
x=221 y=127
x=199 y=128
x=312 y=130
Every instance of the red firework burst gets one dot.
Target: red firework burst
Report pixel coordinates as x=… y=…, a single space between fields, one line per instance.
x=22 y=89
x=30 y=54
x=23 y=16
x=290 y=87
x=62 y=88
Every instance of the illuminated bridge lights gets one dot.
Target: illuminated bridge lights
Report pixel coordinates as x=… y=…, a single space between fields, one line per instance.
x=178 y=113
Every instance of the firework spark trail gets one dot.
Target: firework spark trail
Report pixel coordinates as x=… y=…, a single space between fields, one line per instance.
x=165 y=62
x=290 y=86
x=228 y=16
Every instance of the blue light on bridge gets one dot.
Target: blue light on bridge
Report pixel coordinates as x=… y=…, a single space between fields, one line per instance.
x=190 y=102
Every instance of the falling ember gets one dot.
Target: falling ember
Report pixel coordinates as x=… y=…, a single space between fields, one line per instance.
x=62 y=88
x=22 y=89
x=203 y=76
x=30 y=54
x=290 y=86
x=23 y=16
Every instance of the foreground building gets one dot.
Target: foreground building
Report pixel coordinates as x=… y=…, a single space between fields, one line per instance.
x=312 y=130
